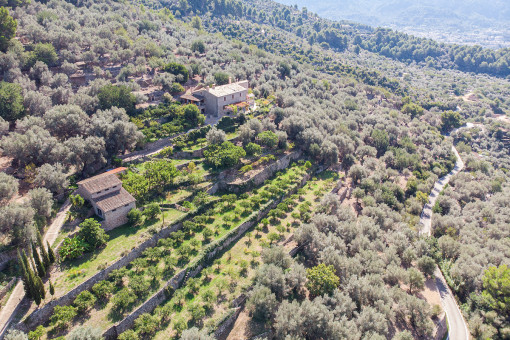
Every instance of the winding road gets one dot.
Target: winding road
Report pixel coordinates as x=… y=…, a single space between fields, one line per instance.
x=457 y=327
x=8 y=312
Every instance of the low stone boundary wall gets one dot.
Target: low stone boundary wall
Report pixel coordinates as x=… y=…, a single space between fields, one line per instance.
x=178 y=281
x=41 y=315
x=258 y=178
x=9 y=285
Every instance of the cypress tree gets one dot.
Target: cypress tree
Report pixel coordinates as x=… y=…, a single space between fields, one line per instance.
x=44 y=254
x=24 y=276
x=52 y=289
x=51 y=254
x=30 y=276
x=41 y=271
x=40 y=288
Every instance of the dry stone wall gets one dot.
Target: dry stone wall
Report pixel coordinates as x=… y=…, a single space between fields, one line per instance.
x=178 y=281
x=43 y=314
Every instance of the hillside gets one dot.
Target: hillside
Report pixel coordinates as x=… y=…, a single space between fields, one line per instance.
x=280 y=164
x=464 y=22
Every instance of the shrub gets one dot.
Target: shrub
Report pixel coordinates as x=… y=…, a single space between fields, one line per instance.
x=91 y=231
x=62 y=316
x=135 y=217
x=72 y=248
x=321 y=280
x=152 y=211
x=84 y=301
x=102 y=289
x=176 y=88
x=252 y=149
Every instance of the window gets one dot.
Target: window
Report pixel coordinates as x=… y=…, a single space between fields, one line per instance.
x=232 y=96
x=224 y=99
x=126 y=205
x=99 y=212
x=114 y=210
x=106 y=189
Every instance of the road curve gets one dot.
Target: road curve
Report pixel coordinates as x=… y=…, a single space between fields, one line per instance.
x=457 y=327
x=7 y=313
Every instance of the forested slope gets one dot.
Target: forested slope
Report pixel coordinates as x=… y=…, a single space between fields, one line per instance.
x=86 y=78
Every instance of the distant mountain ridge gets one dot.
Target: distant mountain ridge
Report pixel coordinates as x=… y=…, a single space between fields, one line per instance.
x=474 y=21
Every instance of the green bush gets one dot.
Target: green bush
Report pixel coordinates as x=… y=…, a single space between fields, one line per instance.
x=92 y=233
x=84 y=301
x=135 y=217
x=71 y=248
x=62 y=316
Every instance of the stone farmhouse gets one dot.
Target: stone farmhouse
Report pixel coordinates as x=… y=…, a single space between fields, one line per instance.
x=110 y=200
x=218 y=100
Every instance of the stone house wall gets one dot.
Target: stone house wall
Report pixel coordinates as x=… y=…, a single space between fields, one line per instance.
x=114 y=219
x=43 y=314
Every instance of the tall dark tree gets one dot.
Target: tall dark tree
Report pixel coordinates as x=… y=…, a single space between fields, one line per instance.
x=8 y=27
x=41 y=270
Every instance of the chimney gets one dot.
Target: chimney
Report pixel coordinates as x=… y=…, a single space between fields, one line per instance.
x=230 y=80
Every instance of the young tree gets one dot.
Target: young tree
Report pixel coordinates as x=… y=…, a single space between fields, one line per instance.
x=152 y=211
x=496 y=288
x=116 y=95
x=215 y=136
x=321 y=280
x=92 y=233
x=84 y=301
x=8 y=27
x=135 y=217
x=416 y=280
x=8 y=187
x=11 y=98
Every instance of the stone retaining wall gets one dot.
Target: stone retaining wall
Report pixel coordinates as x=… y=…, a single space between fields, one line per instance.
x=225 y=327
x=175 y=282
x=7 y=287
x=41 y=315
x=256 y=180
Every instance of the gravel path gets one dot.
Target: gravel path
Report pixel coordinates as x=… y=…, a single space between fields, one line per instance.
x=7 y=313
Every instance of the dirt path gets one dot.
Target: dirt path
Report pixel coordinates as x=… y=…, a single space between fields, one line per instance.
x=7 y=313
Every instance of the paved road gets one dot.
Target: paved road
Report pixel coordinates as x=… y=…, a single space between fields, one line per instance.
x=457 y=327
x=426 y=215
x=7 y=313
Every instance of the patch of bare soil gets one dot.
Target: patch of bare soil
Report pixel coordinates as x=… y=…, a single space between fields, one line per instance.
x=470 y=97
x=5 y=165
x=245 y=328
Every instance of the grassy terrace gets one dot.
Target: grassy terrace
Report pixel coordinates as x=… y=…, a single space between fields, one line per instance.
x=146 y=274
x=211 y=293
x=122 y=239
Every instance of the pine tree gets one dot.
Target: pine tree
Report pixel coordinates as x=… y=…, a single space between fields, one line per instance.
x=44 y=254
x=52 y=289
x=51 y=254
x=41 y=271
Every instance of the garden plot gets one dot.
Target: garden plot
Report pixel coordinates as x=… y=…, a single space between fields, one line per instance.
x=232 y=273
x=129 y=287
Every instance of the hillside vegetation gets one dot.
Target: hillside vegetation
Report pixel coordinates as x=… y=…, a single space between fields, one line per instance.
x=347 y=131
